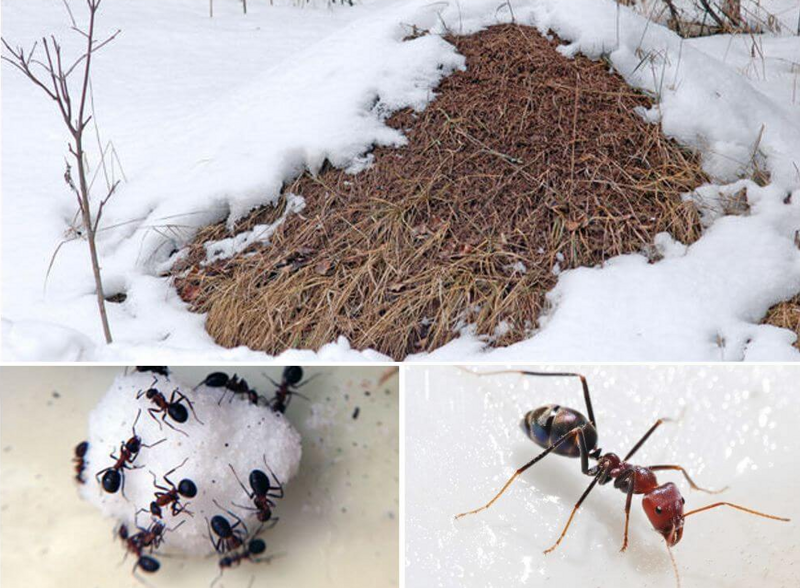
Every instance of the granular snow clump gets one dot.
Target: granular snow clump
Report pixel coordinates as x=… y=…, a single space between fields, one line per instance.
x=219 y=435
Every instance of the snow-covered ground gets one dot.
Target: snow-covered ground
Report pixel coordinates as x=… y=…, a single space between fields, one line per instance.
x=210 y=116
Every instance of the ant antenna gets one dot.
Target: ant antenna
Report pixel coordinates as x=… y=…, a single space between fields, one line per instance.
x=737 y=507
x=674 y=565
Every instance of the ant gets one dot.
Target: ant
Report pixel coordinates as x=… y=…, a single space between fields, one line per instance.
x=114 y=476
x=229 y=538
x=79 y=461
x=158 y=370
x=254 y=548
x=172 y=408
x=233 y=384
x=134 y=545
x=172 y=495
x=565 y=431
x=262 y=492
x=291 y=380
x=151 y=538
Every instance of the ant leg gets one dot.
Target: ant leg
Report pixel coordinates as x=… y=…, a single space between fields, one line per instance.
x=153 y=412
x=737 y=507
x=155 y=483
x=182 y=397
x=154 y=444
x=576 y=431
x=631 y=478
x=280 y=485
x=165 y=476
x=584 y=384
x=694 y=486
x=307 y=380
x=574 y=510
x=646 y=436
x=251 y=508
x=249 y=495
x=170 y=425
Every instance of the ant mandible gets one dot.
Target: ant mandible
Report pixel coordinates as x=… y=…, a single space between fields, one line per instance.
x=172 y=408
x=80 y=461
x=233 y=384
x=291 y=380
x=171 y=496
x=229 y=537
x=565 y=431
x=114 y=475
x=263 y=491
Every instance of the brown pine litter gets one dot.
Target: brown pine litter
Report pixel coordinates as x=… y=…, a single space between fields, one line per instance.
x=525 y=162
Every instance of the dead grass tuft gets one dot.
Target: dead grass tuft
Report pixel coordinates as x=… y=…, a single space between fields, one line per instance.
x=786 y=315
x=526 y=161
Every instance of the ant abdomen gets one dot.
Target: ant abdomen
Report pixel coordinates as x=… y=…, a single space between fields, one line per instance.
x=547 y=424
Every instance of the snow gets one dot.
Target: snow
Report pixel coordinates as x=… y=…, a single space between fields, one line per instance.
x=736 y=429
x=233 y=432
x=209 y=117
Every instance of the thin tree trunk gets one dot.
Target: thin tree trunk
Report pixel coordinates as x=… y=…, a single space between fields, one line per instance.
x=90 y=236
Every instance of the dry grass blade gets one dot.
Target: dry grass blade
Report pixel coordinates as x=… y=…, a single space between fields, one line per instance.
x=526 y=160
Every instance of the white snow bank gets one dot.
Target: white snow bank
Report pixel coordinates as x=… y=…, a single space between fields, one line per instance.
x=211 y=116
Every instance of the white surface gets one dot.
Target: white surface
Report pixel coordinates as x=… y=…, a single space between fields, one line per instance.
x=231 y=434
x=210 y=116
x=738 y=428
x=338 y=524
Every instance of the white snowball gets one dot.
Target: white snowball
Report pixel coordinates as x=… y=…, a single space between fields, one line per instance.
x=234 y=432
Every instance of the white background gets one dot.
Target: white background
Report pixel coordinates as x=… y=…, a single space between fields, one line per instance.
x=739 y=428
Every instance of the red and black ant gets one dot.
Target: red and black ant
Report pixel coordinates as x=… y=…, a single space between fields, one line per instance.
x=133 y=545
x=229 y=537
x=149 y=538
x=291 y=380
x=233 y=384
x=255 y=547
x=79 y=461
x=263 y=491
x=172 y=408
x=158 y=370
x=114 y=476
x=565 y=431
x=172 y=496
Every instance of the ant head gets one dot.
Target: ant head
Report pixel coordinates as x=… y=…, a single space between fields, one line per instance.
x=664 y=507
x=257 y=547
x=293 y=374
x=155 y=510
x=187 y=488
x=134 y=444
x=151 y=393
x=264 y=515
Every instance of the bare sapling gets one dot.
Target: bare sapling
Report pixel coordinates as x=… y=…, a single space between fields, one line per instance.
x=51 y=74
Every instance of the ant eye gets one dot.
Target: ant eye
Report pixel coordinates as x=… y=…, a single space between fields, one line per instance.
x=683 y=500
x=658 y=510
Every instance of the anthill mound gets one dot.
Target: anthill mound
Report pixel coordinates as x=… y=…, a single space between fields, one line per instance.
x=524 y=163
x=786 y=315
